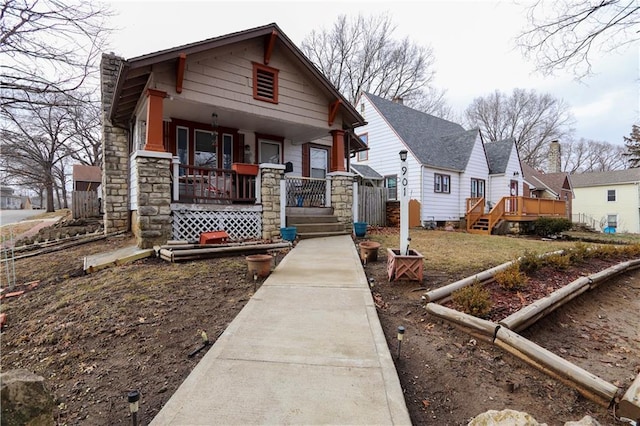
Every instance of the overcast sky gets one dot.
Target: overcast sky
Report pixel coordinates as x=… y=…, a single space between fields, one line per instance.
x=473 y=43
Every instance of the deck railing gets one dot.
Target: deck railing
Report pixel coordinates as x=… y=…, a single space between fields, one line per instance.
x=514 y=209
x=475 y=210
x=206 y=185
x=306 y=192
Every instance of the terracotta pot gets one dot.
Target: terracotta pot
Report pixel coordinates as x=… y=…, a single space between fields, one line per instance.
x=259 y=264
x=369 y=251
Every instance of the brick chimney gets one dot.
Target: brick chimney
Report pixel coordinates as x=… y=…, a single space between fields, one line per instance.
x=555 y=158
x=398 y=100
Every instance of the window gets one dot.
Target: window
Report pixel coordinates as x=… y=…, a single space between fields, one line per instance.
x=364 y=155
x=265 y=83
x=391 y=183
x=612 y=220
x=611 y=195
x=319 y=161
x=270 y=152
x=182 y=136
x=477 y=188
x=205 y=154
x=227 y=150
x=441 y=183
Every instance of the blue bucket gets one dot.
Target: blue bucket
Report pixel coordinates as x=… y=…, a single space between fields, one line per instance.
x=288 y=233
x=360 y=228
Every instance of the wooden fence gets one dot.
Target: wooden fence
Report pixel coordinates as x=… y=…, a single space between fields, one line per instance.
x=85 y=204
x=372 y=205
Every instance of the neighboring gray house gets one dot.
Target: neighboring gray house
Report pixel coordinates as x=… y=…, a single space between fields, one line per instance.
x=9 y=200
x=447 y=164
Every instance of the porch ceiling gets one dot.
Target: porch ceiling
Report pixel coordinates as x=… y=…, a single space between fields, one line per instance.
x=242 y=120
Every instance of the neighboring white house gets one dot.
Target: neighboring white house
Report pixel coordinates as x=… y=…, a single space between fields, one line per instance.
x=9 y=200
x=611 y=199
x=447 y=164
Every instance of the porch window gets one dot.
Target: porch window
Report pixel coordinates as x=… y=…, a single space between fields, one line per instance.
x=477 y=188
x=182 y=142
x=319 y=162
x=364 y=155
x=391 y=183
x=611 y=195
x=265 y=83
x=441 y=183
x=205 y=154
x=227 y=150
x=270 y=152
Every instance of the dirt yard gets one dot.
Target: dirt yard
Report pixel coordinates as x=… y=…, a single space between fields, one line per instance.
x=94 y=337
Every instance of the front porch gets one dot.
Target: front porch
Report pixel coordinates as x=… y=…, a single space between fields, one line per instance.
x=510 y=209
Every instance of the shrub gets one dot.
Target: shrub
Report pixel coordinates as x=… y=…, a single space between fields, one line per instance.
x=511 y=278
x=580 y=252
x=529 y=262
x=545 y=226
x=559 y=261
x=606 y=251
x=474 y=300
x=632 y=250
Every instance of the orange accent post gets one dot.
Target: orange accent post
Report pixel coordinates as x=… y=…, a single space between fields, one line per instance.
x=337 y=151
x=154 y=140
x=333 y=110
x=182 y=62
x=269 y=45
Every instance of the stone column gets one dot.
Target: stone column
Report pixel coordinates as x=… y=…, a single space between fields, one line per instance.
x=115 y=153
x=270 y=177
x=342 y=197
x=153 y=218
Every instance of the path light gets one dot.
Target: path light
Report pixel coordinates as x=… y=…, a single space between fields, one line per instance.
x=255 y=280
x=133 y=397
x=400 y=337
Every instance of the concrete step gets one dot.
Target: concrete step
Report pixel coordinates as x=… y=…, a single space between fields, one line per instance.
x=293 y=220
x=308 y=235
x=304 y=228
x=312 y=211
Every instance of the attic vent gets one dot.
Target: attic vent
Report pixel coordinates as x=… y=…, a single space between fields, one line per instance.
x=265 y=83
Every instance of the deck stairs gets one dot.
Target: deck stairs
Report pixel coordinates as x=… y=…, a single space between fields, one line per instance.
x=314 y=222
x=481 y=226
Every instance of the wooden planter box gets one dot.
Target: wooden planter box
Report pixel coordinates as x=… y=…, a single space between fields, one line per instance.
x=409 y=267
x=245 y=169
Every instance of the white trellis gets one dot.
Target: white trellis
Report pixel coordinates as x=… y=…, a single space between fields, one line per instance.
x=241 y=223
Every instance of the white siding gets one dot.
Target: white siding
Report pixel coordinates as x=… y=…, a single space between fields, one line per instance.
x=592 y=201
x=385 y=146
x=477 y=168
x=293 y=153
x=500 y=184
x=440 y=206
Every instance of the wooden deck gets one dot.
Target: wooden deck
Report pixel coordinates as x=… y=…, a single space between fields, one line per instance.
x=512 y=209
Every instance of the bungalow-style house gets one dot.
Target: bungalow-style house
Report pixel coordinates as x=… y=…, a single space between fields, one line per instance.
x=450 y=169
x=553 y=186
x=609 y=200
x=230 y=133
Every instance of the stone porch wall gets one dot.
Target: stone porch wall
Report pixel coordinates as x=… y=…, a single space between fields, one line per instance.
x=115 y=154
x=270 y=177
x=342 y=197
x=153 y=219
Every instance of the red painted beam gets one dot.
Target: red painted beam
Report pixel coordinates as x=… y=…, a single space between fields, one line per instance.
x=182 y=61
x=269 y=45
x=333 y=110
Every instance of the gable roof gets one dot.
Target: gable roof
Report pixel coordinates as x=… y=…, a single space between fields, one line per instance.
x=366 y=172
x=583 y=180
x=552 y=182
x=134 y=72
x=498 y=154
x=434 y=141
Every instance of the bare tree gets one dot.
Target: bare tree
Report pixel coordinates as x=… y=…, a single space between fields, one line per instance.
x=360 y=54
x=532 y=119
x=432 y=101
x=584 y=156
x=566 y=33
x=48 y=46
x=87 y=142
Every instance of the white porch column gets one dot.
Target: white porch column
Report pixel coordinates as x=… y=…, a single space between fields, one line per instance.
x=175 y=164
x=283 y=203
x=327 y=192
x=356 y=213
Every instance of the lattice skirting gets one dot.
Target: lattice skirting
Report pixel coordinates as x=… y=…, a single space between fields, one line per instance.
x=240 y=222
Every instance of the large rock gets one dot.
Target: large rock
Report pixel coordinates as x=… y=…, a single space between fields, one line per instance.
x=25 y=399
x=504 y=418
x=585 y=421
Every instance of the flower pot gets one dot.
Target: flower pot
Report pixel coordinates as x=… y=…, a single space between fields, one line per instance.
x=259 y=264
x=369 y=251
x=288 y=233
x=360 y=228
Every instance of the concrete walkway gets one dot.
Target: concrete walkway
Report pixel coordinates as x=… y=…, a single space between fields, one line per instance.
x=307 y=349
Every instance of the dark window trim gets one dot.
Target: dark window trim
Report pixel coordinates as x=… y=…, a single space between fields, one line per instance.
x=484 y=187
x=192 y=126
x=270 y=138
x=442 y=177
x=611 y=192
x=366 y=152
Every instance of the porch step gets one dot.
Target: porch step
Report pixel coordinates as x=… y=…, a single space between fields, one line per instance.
x=305 y=228
x=321 y=234
x=309 y=211
x=294 y=220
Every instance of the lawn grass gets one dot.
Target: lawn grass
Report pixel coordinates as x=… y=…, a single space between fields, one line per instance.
x=456 y=252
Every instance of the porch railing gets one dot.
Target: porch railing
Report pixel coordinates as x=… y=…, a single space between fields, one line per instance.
x=306 y=192
x=514 y=209
x=206 y=185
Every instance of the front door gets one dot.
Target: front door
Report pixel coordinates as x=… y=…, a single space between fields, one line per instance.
x=512 y=205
